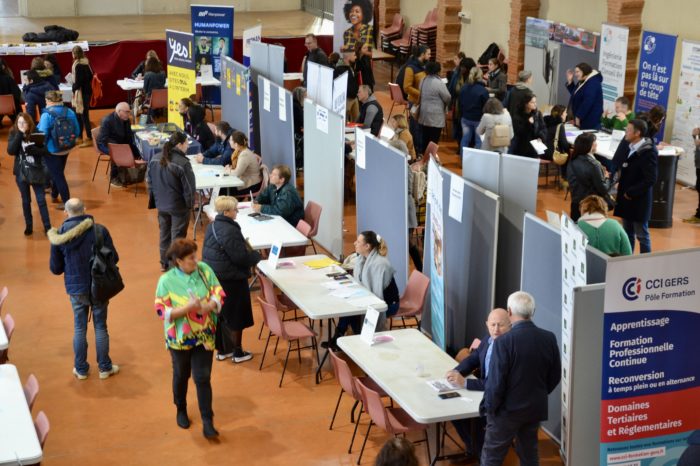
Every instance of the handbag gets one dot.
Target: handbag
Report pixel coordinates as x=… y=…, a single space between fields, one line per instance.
x=559 y=158
x=31 y=172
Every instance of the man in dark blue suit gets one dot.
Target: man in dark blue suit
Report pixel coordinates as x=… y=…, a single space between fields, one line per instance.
x=497 y=324
x=637 y=159
x=525 y=367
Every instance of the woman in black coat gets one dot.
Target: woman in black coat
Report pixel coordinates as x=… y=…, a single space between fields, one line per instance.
x=231 y=258
x=527 y=125
x=586 y=175
x=82 y=93
x=199 y=129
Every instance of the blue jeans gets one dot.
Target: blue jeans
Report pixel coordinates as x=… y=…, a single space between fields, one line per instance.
x=641 y=231
x=24 y=190
x=469 y=133
x=81 y=308
x=57 y=166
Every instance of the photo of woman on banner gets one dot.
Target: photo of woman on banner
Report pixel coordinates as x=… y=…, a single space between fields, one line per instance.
x=359 y=15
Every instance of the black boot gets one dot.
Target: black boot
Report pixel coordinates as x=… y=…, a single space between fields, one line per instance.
x=208 y=429
x=28 y=230
x=182 y=419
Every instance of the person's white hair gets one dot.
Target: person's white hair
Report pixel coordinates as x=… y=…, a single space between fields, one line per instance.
x=521 y=304
x=74 y=206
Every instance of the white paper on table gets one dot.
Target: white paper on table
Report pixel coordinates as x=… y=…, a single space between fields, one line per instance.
x=266 y=94
x=370 y=325
x=360 y=144
x=456 y=197
x=386 y=133
x=539 y=146
x=206 y=71
x=274 y=255
x=364 y=301
x=282 y=104
x=322 y=119
x=332 y=285
x=349 y=291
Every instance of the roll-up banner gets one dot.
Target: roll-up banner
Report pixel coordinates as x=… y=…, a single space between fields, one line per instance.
x=212 y=26
x=612 y=63
x=655 y=68
x=437 y=281
x=353 y=24
x=181 y=71
x=253 y=34
x=687 y=110
x=651 y=378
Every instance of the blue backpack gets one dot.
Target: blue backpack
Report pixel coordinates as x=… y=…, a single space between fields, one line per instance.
x=62 y=130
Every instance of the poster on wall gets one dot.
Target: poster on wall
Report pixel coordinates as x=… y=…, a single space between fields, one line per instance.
x=655 y=69
x=537 y=32
x=687 y=110
x=651 y=381
x=580 y=38
x=437 y=280
x=212 y=26
x=181 y=71
x=253 y=34
x=612 y=63
x=353 y=25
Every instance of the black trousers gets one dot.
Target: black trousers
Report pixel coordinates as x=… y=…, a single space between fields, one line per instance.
x=84 y=118
x=464 y=430
x=173 y=225
x=430 y=134
x=500 y=432
x=196 y=361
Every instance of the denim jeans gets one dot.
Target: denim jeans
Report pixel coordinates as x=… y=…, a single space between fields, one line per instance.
x=196 y=361
x=81 y=308
x=57 y=166
x=24 y=190
x=641 y=231
x=469 y=133
x=417 y=134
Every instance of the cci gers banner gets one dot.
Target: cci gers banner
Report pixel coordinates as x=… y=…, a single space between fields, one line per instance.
x=181 y=74
x=212 y=26
x=655 y=67
x=687 y=110
x=651 y=376
x=613 y=62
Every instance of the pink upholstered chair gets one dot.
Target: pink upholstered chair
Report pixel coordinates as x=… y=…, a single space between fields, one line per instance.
x=123 y=158
x=101 y=156
x=3 y=296
x=312 y=216
x=9 y=323
x=42 y=426
x=413 y=299
x=31 y=390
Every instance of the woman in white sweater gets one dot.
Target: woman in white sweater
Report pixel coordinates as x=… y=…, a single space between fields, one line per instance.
x=496 y=126
x=245 y=165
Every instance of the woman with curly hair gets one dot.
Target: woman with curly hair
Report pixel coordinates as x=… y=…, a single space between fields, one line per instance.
x=359 y=14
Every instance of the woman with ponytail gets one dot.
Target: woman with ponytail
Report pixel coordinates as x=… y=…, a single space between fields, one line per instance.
x=374 y=271
x=171 y=186
x=245 y=165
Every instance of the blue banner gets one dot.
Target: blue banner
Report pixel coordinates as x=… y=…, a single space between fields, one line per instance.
x=655 y=68
x=212 y=26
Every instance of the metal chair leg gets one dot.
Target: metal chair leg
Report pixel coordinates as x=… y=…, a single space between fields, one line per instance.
x=286 y=360
x=340 y=395
x=265 y=350
x=354 y=432
x=365 y=442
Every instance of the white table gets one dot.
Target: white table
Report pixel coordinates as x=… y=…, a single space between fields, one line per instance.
x=67 y=91
x=606 y=144
x=263 y=234
x=128 y=84
x=19 y=443
x=304 y=287
x=3 y=337
x=402 y=367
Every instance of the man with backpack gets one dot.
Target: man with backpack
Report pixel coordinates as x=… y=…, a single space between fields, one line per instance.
x=60 y=125
x=409 y=79
x=72 y=251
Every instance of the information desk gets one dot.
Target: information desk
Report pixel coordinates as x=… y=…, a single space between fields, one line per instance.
x=19 y=443
x=131 y=85
x=304 y=286
x=402 y=367
x=263 y=234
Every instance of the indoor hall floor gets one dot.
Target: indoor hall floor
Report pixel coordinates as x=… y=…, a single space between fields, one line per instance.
x=147 y=27
x=130 y=418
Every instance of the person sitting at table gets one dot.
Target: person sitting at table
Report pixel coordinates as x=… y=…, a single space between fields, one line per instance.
x=35 y=93
x=478 y=361
x=604 y=234
x=171 y=185
x=139 y=71
x=115 y=128
x=245 y=165
x=231 y=257
x=585 y=173
x=198 y=127
x=399 y=124
x=154 y=78
x=372 y=270
x=620 y=118
x=280 y=197
x=371 y=113
x=220 y=152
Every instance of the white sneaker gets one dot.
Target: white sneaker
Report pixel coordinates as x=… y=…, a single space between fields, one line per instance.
x=109 y=373
x=244 y=356
x=223 y=357
x=78 y=375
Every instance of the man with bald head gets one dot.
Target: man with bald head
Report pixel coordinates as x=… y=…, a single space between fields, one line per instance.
x=497 y=324
x=116 y=129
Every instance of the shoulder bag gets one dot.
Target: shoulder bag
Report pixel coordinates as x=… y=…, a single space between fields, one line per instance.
x=559 y=158
x=31 y=171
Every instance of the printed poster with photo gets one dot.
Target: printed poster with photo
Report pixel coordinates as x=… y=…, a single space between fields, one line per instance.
x=212 y=26
x=353 y=24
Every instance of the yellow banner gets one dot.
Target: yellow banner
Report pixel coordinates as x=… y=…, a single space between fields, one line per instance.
x=181 y=84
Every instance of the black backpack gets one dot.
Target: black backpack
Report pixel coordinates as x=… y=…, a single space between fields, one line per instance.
x=106 y=280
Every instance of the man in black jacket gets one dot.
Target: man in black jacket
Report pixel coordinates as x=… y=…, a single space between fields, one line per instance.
x=525 y=367
x=115 y=128
x=315 y=54
x=637 y=159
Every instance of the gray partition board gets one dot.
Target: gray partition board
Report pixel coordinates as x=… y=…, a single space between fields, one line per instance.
x=381 y=194
x=482 y=167
x=319 y=84
x=569 y=57
x=276 y=129
x=324 y=165
x=259 y=61
x=235 y=98
x=275 y=60
x=585 y=380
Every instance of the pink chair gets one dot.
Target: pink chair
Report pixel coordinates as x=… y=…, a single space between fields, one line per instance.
x=101 y=156
x=159 y=100
x=31 y=390
x=347 y=385
x=123 y=158
x=396 y=98
x=3 y=296
x=280 y=301
x=395 y=28
x=295 y=251
x=413 y=299
x=9 y=323
x=41 y=424
x=286 y=330
x=393 y=420
x=312 y=216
